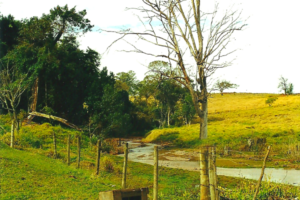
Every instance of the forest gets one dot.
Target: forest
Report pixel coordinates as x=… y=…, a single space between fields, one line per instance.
x=42 y=64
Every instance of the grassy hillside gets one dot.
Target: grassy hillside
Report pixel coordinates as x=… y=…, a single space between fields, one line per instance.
x=30 y=175
x=234 y=118
x=30 y=172
x=27 y=175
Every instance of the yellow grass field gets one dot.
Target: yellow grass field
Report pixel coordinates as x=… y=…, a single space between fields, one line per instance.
x=235 y=118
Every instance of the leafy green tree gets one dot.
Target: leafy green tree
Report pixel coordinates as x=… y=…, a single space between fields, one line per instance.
x=112 y=113
x=290 y=89
x=224 y=85
x=285 y=86
x=187 y=110
x=142 y=115
x=147 y=88
x=41 y=44
x=168 y=94
x=131 y=81
x=9 y=32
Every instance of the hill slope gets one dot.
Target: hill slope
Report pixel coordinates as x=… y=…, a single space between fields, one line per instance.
x=27 y=175
x=234 y=118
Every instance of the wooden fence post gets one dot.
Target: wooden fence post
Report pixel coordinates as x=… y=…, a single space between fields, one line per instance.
x=155 y=181
x=12 y=136
x=68 y=150
x=227 y=151
x=212 y=175
x=125 y=165
x=215 y=173
x=262 y=174
x=78 y=152
x=98 y=156
x=54 y=146
x=204 y=178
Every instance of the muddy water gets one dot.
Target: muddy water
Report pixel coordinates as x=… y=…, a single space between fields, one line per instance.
x=179 y=160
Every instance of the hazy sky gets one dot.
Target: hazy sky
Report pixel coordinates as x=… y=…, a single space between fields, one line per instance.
x=269 y=46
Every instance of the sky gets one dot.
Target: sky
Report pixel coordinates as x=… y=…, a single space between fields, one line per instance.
x=267 y=48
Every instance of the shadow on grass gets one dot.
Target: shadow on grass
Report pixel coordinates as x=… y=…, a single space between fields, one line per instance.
x=167 y=137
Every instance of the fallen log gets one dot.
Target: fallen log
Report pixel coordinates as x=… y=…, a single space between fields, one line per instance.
x=64 y=121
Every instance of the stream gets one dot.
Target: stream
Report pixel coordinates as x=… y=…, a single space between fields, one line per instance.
x=177 y=159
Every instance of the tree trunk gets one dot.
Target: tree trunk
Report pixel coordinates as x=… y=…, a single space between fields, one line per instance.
x=203 y=122
x=55 y=118
x=46 y=95
x=12 y=136
x=13 y=127
x=78 y=152
x=68 y=149
x=161 y=117
x=202 y=113
x=169 y=116
x=91 y=145
x=98 y=157
x=155 y=177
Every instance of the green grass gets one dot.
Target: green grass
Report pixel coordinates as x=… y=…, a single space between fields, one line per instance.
x=233 y=119
x=26 y=175
x=29 y=175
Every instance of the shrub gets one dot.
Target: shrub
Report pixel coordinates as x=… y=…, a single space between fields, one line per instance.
x=106 y=147
x=271 y=100
x=29 y=139
x=4 y=129
x=94 y=140
x=108 y=164
x=6 y=138
x=50 y=153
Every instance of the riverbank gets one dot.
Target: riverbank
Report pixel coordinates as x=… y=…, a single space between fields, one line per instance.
x=180 y=159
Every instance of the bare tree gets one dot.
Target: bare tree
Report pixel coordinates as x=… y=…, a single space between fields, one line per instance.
x=178 y=26
x=12 y=86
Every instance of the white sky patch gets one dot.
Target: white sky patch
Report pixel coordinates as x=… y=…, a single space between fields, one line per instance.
x=269 y=44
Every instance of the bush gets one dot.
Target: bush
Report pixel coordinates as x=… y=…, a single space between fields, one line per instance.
x=271 y=100
x=29 y=139
x=50 y=153
x=4 y=129
x=106 y=147
x=6 y=138
x=108 y=164
x=94 y=140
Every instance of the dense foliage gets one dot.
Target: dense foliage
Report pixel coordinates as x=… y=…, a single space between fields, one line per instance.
x=72 y=84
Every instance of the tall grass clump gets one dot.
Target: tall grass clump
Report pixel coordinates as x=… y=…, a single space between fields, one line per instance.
x=268 y=190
